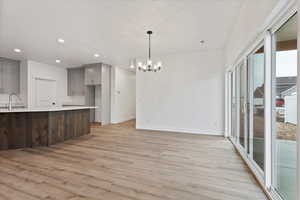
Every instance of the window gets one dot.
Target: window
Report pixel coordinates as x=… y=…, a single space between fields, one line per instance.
x=264 y=110
x=285 y=109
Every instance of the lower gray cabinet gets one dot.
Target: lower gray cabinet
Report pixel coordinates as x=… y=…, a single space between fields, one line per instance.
x=76 y=85
x=9 y=76
x=1 y=79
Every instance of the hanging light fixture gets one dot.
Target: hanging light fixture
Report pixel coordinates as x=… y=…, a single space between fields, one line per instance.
x=149 y=66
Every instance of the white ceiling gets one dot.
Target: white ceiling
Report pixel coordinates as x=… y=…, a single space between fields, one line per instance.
x=116 y=29
x=289 y=31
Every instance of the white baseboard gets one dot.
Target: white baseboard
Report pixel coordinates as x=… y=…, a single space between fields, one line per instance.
x=117 y=121
x=183 y=130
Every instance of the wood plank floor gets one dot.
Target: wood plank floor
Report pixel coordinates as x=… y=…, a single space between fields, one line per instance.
x=118 y=162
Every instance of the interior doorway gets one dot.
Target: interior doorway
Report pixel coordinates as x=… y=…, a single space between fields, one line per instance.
x=45 y=93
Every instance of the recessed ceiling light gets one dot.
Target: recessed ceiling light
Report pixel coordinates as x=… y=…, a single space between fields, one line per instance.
x=57 y=61
x=96 y=55
x=202 y=41
x=17 y=50
x=60 y=40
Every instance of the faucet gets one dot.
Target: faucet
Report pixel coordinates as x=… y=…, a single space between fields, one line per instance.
x=10 y=98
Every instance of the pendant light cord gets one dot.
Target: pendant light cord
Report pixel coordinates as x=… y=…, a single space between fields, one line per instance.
x=149 y=46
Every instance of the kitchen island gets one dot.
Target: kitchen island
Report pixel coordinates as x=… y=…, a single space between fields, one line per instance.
x=23 y=127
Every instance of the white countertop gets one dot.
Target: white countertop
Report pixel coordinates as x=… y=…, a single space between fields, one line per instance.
x=17 y=110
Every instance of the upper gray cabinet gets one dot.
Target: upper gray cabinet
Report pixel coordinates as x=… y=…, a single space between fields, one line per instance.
x=76 y=85
x=92 y=74
x=9 y=76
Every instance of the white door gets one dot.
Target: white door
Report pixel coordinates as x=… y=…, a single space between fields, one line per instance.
x=45 y=93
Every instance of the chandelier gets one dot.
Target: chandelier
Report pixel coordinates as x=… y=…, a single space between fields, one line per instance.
x=149 y=66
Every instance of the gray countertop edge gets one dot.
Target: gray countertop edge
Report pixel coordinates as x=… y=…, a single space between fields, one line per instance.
x=55 y=109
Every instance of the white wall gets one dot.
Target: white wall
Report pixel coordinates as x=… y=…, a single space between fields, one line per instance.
x=123 y=95
x=45 y=71
x=249 y=23
x=186 y=96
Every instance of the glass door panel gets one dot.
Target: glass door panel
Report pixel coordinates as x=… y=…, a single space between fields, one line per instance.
x=257 y=98
x=233 y=106
x=285 y=110
x=242 y=103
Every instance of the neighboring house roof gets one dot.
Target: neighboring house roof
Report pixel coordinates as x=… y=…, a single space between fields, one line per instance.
x=284 y=84
x=289 y=91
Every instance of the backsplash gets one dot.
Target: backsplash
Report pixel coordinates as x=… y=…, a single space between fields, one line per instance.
x=15 y=100
x=74 y=100
x=70 y=100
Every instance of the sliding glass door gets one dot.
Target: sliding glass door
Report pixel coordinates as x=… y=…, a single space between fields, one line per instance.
x=256 y=62
x=285 y=109
x=243 y=105
x=264 y=110
x=233 y=106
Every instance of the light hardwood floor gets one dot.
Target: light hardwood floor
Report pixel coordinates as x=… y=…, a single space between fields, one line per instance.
x=118 y=162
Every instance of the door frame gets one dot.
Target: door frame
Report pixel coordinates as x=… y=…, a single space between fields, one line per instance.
x=251 y=104
x=242 y=64
x=35 y=90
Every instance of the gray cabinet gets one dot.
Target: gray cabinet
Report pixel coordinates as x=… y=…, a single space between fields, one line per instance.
x=76 y=85
x=90 y=100
x=9 y=76
x=105 y=94
x=92 y=74
x=1 y=79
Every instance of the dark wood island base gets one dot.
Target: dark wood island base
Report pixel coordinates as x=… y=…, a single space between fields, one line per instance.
x=31 y=129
